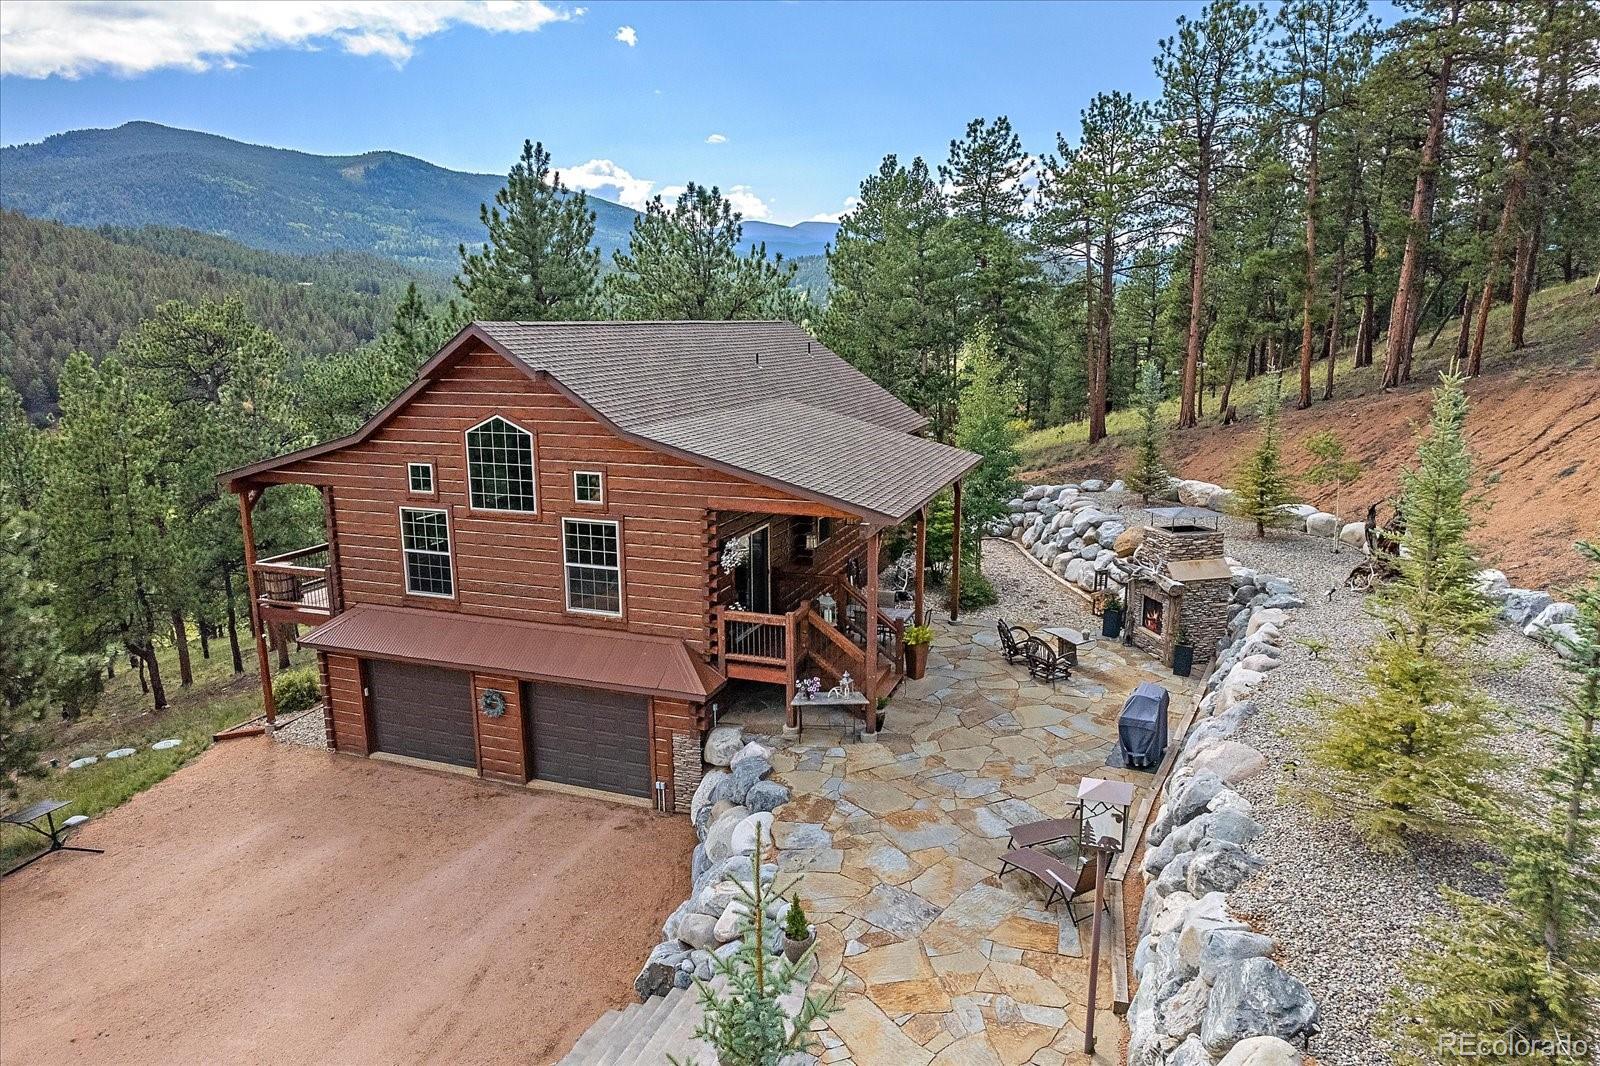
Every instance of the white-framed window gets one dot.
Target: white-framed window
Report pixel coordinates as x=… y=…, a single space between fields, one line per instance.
x=419 y=476
x=425 y=544
x=592 y=551
x=589 y=486
x=500 y=474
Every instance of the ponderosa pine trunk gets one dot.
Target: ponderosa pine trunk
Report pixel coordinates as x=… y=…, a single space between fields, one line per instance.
x=150 y=670
x=1100 y=382
x=180 y=640
x=1522 y=279
x=1491 y=272
x=1307 y=327
x=204 y=629
x=1227 y=384
x=1187 y=407
x=1335 y=340
x=233 y=622
x=1401 y=323
x=1464 y=335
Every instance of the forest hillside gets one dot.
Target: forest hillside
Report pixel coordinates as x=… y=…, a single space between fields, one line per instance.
x=1534 y=431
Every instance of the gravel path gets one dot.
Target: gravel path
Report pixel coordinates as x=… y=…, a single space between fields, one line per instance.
x=307 y=730
x=1344 y=915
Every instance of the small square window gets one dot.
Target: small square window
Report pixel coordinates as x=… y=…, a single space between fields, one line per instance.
x=588 y=486
x=421 y=475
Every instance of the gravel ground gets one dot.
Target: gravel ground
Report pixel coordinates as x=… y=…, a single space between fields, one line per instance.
x=1344 y=915
x=307 y=730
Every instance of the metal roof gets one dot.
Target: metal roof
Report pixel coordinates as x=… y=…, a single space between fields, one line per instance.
x=563 y=654
x=762 y=399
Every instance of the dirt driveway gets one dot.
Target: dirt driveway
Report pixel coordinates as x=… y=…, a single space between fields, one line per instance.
x=270 y=903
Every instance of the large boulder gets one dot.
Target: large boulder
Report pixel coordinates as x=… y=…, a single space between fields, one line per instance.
x=1224 y=948
x=1353 y=533
x=723 y=743
x=719 y=836
x=1189 y=1053
x=704 y=796
x=1128 y=541
x=766 y=796
x=660 y=969
x=1255 y=998
x=1219 y=866
x=1552 y=614
x=1493 y=583
x=1227 y=759
x=1261 y=1051
x=1521 y=606
x=1266 y=616
x=699 y=931
x=1298 y=511
x=752 y=750
x=1093 y=484
x=1322 y=524
x=1197 y=493
x=753 y=831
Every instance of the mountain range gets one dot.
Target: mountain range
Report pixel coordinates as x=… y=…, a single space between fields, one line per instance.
x=280 y=200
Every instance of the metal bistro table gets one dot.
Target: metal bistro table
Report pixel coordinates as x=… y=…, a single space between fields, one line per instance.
x=26 y=818
x=1068 y=641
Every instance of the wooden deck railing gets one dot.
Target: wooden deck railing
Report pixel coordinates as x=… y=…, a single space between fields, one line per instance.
x=754 y=637
x=298 y=578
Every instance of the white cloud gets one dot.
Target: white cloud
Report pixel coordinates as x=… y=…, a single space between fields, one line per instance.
x=627 y=35
x=744 y=200
x=610 y=182
x=670 y=193
x=849 y=204
x=717 y=138
x=71 y=38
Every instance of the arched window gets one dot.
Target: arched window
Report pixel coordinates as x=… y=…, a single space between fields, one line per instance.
x=500 y=466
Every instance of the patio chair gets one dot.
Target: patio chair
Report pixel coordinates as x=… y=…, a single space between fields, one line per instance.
x=1066 y=883
x=1044 y=662
x=1012 y=639
x=1048 y=831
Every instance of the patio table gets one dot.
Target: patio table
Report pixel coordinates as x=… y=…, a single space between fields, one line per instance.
x=1068 y=641
x=28 y=816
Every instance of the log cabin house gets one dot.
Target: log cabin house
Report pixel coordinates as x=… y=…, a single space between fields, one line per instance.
x=546 y=556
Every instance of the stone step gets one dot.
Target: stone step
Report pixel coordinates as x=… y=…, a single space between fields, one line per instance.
x=645 y=1028
x=592 y=1037
x=673 y=1036
x=613 y=1029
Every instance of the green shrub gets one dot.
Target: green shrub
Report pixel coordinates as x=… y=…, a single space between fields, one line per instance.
x=795 y=924
x=976 y=589
x=296 y=690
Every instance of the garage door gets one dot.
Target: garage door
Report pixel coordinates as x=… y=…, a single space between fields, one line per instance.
x=422 y=712
x=590 y=737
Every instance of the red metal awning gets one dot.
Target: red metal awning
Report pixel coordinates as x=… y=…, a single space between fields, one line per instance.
x=536 y=651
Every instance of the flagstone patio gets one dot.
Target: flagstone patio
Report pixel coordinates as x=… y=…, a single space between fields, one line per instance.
x=940 y=960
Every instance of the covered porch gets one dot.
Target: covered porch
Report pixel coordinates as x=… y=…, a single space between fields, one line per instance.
x=824 y=596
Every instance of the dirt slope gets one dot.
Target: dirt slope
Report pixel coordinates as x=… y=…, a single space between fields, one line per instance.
x=1534 y=431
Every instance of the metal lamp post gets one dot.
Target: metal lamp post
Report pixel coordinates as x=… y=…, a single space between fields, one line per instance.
x=1102 y=828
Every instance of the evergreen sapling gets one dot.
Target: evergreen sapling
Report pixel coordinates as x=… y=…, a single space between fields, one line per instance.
x=1149 y=476
x=1262 y=487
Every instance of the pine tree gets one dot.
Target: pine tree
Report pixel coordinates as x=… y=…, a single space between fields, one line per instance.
x=1410 y=754
x=1330 y=470
x=744 y=1021
x=540 y=264
x=104 y=507
x=684 y=263
x=1149 y=476
x=893 y=305
x=1526 y=965
x=1263 y=487
x=986 y=425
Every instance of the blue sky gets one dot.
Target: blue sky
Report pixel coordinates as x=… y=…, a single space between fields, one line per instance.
x=808 y=96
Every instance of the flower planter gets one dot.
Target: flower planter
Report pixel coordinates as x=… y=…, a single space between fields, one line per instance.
x=793 y=949
x=1182 y=659
x=1111 y=622
x=916 y=661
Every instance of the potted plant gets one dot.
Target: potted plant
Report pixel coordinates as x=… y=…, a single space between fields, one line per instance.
x=1182 y=654
x=1111 y=618
x=798 y=934
x=917 y=640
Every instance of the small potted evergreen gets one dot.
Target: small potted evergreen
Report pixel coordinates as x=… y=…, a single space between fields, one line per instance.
x=1182 y=654
x=917 y=640
x=798 y=934
x=1111 y=618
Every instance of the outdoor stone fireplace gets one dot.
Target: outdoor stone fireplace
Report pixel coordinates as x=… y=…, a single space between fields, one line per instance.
x=1179 y=585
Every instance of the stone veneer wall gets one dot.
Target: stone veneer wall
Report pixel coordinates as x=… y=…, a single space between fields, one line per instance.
x=687 y=770
x=1162 y=546
x=1205 y=606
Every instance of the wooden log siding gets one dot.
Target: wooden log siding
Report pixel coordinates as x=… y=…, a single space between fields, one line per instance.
x=501 y=752
x=347 y=705
x=511 y=565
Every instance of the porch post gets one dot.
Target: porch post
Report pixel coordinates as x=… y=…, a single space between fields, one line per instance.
x=919 y=589
x=869 y=684
x=247 y=503
x=955 y=558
